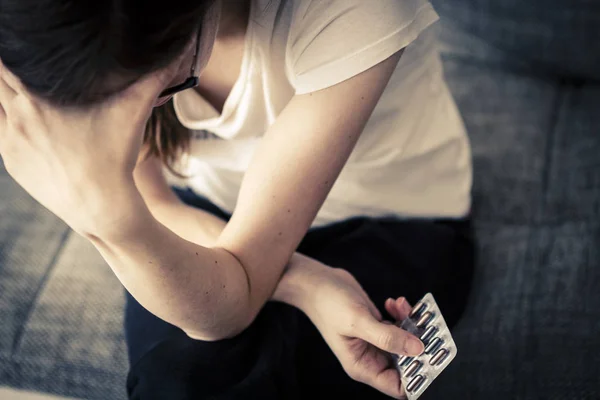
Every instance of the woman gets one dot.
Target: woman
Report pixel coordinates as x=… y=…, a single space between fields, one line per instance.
x=321 y=152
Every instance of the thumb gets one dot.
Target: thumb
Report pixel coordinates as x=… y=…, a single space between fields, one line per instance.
x=388 y=337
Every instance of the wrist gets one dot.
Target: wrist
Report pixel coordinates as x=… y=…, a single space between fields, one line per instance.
x=299 y=282
x=116 y=217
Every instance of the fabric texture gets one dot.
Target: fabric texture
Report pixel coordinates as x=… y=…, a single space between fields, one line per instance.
x=413 y=150
x=61 y=319
x=282 y=355
x=557 y=37
x=530 y=328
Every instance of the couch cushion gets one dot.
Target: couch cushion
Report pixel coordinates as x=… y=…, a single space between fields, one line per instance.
x=508 y=116
x=61 y=307
x=30 y=239
x=573 y=176
x=558 y=37
x=73 y=341
x=531 y=327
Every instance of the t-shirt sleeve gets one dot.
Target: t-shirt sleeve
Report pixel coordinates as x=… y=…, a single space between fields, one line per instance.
x=333 y=40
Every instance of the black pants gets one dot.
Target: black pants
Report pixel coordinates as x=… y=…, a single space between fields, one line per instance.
x=282 y=355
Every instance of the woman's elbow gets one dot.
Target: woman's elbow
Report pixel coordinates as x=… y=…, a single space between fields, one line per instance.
x=232 y=313
x=230 y=328
x=215 y=335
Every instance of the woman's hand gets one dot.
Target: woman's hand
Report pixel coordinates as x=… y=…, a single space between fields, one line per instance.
x=354 y=330
x=76 y=162
x=350 y=323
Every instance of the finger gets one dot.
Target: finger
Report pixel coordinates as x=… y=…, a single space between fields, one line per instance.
x=399 y=309
x=403 y=307
x=389 y=338
x=388 y=382
x=383 y=377
x=390 y=307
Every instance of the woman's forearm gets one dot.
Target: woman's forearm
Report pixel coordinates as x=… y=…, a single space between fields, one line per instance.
x=203 y=228
x=202 y=290
x=192 y=224
x=165 y=260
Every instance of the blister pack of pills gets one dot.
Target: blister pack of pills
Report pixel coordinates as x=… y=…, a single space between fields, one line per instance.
x=427 y=323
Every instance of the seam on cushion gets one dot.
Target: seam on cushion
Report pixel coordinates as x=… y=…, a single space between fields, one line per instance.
x=557 y=109
x=43 y=282
x=533 y=252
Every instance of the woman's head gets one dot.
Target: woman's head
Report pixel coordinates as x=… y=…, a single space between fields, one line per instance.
x=73 y=52
x=80 y=52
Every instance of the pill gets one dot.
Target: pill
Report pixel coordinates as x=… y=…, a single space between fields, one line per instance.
x=433 y=345
x=404 y=360
x=439 y=357
x=424 y=320
x=417 y=310
x=412 y=368
x=429 y=332
x=415 y=383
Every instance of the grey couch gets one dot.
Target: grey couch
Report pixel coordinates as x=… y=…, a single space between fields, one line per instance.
x=526 y=76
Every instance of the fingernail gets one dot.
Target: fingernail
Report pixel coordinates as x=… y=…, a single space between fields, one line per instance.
x=413 y=346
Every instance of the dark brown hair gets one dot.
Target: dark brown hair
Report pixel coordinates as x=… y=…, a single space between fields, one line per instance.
x=165 y=137
x=77 y=53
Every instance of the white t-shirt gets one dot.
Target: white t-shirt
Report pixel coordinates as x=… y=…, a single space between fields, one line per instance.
x=413 y=158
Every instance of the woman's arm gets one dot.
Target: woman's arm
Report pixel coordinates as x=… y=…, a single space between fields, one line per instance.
x=79 y=164
x=204 y=228
x=334 y=301
x=292 y=172
x=192 y=224
x=214 y=292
